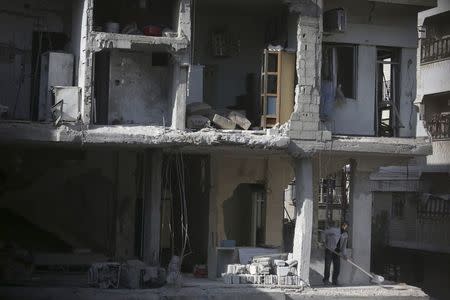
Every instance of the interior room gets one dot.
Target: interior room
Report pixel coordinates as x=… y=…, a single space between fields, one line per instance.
x=133 y=87
x=137 y=17
x=30 y=29
x=64 y=211
x=230 y=39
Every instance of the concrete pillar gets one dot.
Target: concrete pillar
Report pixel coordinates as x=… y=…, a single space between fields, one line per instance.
x=361 y=224
x=184 y=19
x=152 y=206
x=180 y=85
x=85 y=68
x=212 y=236
x=304 y=222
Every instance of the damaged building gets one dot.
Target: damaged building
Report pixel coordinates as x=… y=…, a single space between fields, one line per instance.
x=215 y=131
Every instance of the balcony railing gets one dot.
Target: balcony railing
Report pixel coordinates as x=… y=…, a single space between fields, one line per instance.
x=433 y=50
x=439 y=126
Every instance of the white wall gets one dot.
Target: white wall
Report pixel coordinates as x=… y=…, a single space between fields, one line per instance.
x=368 y=27
x=356 y=116
x=408 y=87
x=382 y=24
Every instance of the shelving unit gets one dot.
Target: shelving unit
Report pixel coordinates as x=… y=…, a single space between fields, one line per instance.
x=277 y=87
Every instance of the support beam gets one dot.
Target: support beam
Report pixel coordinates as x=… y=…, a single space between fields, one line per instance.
x=152 y=206
x=180 y=85
x=361 y=223
x=85 y=68
x=304 y=222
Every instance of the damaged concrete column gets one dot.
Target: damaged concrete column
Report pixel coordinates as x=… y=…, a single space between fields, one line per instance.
x=305 y=121
x=85 y=69
x=152 y=206
x=361 y=222
x=181 y=67
x=180 y=86
x=304 y=220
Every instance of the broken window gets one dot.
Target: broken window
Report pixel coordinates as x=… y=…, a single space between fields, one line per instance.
x=387 y=92
x=339 y=69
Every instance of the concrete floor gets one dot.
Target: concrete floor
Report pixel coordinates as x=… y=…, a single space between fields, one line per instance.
x=207 y=289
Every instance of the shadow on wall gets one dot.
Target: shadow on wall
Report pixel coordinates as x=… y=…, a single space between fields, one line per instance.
x=237 y=215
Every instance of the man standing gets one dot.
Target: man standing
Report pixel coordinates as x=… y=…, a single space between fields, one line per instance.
x=335 y=246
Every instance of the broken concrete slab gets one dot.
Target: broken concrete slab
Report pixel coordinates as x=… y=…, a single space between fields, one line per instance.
x=197 y=122
x=240 y=120
x=223 y=122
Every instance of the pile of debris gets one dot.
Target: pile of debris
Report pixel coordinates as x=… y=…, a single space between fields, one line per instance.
x=133 y=274
x=265 y=270
x=201 y=115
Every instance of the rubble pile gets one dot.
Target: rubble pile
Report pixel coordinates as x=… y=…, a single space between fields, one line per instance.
x=133 y=274
x=265 y=270
x=202 y=115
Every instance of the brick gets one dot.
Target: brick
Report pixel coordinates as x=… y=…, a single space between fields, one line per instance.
x=223 y=122
x=240 y=120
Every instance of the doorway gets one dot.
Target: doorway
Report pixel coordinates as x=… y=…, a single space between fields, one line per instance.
x=387 y=111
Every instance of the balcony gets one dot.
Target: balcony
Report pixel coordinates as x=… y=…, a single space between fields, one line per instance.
x=435 y=50
x=439 y=126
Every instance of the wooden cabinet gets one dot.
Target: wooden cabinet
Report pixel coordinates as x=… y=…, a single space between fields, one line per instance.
x=277 y=87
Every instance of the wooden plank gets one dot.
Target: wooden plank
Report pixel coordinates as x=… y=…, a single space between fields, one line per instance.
x=287 y=87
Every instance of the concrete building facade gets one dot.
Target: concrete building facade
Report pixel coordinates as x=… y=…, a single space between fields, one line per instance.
x=112 y=170
x=411 y=201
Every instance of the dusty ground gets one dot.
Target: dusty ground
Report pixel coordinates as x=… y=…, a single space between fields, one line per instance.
x=207 y=289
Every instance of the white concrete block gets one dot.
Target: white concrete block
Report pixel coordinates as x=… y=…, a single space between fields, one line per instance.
x=282 y=271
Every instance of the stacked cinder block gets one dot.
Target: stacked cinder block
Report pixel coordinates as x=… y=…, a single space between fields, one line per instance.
x=264 y=271
x=305 y=121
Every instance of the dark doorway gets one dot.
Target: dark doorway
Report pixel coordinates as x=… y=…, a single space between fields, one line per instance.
x=185 y=176
x=245 y=215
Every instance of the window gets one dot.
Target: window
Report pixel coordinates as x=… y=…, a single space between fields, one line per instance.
x=387 y=92
x=398 y=205
x=339 y=69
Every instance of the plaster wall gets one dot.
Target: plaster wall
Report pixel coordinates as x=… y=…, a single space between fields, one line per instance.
x=408 y=87
x=276 y=173
x=17 y=24
x=381 y=24
x=356 y=116
x=138 y=91
x=440 y=156
x=438 y=71
x=225 y=78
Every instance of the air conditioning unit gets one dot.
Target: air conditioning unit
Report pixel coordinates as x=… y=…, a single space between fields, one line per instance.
x=335 y=21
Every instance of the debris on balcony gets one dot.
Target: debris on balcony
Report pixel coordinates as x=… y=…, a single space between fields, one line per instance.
x=202 y=115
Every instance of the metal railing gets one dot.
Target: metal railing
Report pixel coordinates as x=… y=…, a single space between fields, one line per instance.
x=433 y=50
x=439 y=126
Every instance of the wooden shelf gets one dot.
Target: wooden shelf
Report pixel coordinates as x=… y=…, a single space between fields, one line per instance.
x=277 y=110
